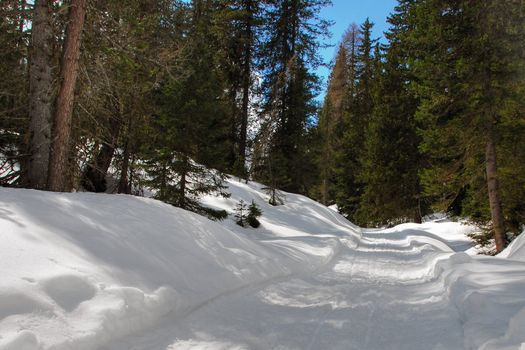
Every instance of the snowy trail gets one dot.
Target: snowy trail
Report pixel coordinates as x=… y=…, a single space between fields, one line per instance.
x=354 y=301
x=102 y=272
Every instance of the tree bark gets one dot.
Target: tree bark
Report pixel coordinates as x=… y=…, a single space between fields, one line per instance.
x=246 y=84
x=418 y=217
x=182 y=184
x=40 y=95
x=94 y=178
x=21 y=23
x=64 y=105
x=324 y=190
x=123 y=184
x=496 y=211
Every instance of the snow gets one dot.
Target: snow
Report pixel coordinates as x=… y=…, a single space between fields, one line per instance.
x=516 y=249
x=116 y=272
x=80 y=269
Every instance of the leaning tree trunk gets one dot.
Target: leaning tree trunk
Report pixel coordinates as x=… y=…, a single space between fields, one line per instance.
x=40 y=95
x=494 y=194
x=64 y=106
x=94 y=177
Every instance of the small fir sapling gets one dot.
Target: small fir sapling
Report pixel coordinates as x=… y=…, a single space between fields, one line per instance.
x=247 y=215
x=253 y=213
x=276 y=198
x=241 y=214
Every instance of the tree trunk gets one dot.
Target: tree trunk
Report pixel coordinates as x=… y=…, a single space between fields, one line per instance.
x=163 y=181
x=94 y=178
x=21 y=23
x=123 y=184
x=40 y=95
x=246 y=84
x=418 y=217
x=182 y=185
x=130 y=172
x=494 y=194
x=64 y=106
x=232 y=157
x=324 y=190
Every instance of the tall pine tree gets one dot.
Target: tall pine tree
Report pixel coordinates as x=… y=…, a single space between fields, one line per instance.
x=468 y=64
x=391 y=162
x=357 y=115
x=339 y=96
x=292 y=32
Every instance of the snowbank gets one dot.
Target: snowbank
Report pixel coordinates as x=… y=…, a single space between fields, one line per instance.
x=488 y=295
x=299 y=216
x=454 y=234
x=516 y=249
x=81 y=271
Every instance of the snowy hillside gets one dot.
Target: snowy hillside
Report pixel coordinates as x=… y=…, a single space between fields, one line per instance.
x=114 y=272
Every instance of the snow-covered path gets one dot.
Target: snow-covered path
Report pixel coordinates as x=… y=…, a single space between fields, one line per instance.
x=104 y=272
x=372 y=297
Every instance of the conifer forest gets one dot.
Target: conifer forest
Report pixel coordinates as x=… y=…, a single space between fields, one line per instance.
x=169 y=97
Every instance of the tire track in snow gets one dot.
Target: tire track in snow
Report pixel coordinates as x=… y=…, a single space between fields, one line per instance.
x=319 y=327
x=254 y=287
x=179 y=315
x=369 y=326
x=362 y=269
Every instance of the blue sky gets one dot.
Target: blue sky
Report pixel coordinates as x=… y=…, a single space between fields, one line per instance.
x=344 y=12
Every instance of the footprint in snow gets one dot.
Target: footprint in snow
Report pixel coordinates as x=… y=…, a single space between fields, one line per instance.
x=68 y=291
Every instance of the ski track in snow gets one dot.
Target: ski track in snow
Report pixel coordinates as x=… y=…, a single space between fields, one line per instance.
x=358 y=313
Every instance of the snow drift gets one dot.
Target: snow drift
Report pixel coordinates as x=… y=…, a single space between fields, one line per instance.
x=516 y=249
x=94 y=271
x=79 y=269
